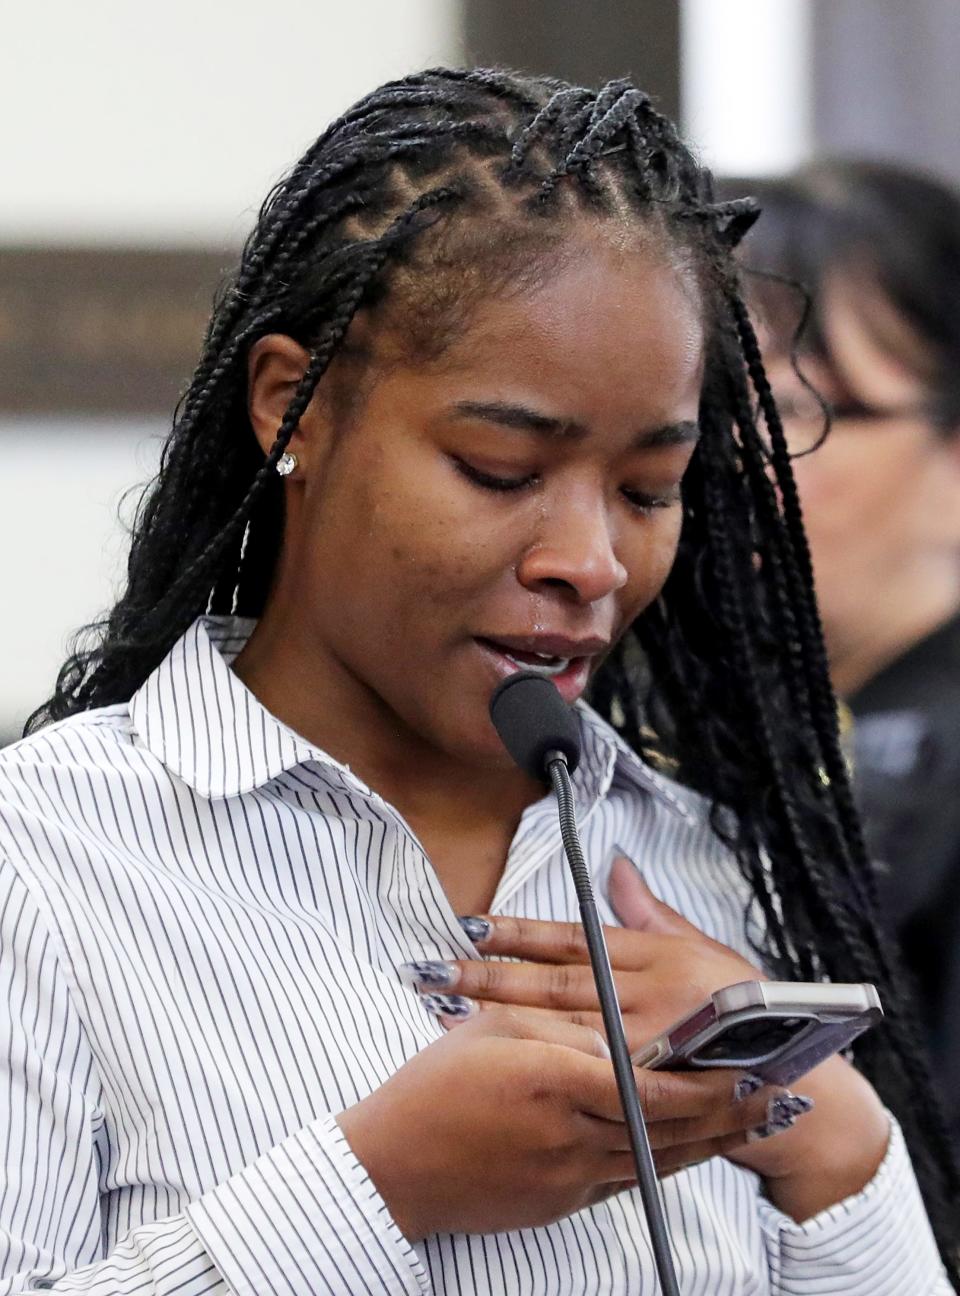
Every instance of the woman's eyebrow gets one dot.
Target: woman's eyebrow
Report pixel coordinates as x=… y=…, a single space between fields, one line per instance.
x=519 y=416
x=671 y=434
x=505 y=414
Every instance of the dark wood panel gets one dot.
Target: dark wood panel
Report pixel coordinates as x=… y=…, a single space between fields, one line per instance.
x=587 y=43
x=101 y=331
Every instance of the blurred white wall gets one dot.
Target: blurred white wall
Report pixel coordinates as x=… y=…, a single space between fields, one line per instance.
x=62 y=546
x=745 y=83
x=149 y=124
x=144 y=123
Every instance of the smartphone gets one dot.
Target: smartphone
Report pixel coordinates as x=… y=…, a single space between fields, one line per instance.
x=779 y=1030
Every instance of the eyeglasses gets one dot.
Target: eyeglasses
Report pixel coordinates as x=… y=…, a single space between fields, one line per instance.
x=807 y=420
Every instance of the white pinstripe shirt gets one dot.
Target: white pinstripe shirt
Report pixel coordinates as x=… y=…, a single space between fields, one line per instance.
x=201 y=920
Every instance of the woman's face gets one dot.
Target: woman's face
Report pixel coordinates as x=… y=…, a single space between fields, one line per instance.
x=883 y=491
x=516 y=501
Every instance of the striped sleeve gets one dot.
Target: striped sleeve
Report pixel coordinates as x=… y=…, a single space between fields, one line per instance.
x=877 y=1243
x=304 y=1219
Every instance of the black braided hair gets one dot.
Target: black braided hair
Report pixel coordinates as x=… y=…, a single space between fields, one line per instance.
x=430 y=193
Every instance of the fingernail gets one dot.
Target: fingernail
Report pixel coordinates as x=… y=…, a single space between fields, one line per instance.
x=455 y=1006
x=786 y=1108
x=603 y=1046
x=428 y=973
x=747 y=1086
x=476 y=929
x=769 y=1130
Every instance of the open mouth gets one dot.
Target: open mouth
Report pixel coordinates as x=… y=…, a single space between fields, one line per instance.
x=568 y=671
x=540 y=663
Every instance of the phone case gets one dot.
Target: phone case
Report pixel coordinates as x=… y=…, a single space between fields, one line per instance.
x=781 y=1029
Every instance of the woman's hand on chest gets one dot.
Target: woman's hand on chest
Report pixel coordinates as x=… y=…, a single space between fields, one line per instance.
x=664 y=967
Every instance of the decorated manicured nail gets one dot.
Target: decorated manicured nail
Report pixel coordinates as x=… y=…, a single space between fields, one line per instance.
x=453 y=1007
x=748 y=1085
x=428 y=973
x=783 y=1110
x=769 y=1130
x=476 y=929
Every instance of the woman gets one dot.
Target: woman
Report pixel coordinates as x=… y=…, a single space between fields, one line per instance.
x=479 y=397
x=877 y=247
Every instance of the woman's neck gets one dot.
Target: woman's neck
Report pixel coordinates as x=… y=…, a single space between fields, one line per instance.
x=881 y=629
x=464 y=815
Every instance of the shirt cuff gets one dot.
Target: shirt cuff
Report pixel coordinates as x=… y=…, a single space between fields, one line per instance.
x=305 y=1219
x=875 y=1243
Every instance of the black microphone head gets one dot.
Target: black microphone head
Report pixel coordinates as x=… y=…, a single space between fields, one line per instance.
x=532 y=719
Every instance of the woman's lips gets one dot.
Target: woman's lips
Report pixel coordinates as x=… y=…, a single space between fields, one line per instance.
x=548 y=645
x=569 y=674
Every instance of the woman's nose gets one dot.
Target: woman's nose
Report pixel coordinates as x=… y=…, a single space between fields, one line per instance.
x=574 y=550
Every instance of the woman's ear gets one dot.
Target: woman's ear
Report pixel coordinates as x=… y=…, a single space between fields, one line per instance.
x=275 y=366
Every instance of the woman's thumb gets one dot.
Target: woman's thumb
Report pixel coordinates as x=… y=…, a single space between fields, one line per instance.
x=637 y=907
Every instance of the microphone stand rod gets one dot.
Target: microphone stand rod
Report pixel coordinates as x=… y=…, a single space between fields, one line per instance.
x=556 y=764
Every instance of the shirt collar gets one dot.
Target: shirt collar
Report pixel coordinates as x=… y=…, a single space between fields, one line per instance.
x=199 y=719
x=605 y=757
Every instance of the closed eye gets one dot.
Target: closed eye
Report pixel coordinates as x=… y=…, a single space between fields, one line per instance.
x=640 y=501
x=645 y=503
x=488 y=481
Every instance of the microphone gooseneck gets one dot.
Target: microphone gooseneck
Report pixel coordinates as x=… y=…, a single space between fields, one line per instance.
x=542 y=735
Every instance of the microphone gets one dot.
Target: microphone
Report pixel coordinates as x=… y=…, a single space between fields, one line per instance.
x=542 y=735
x=533 y=720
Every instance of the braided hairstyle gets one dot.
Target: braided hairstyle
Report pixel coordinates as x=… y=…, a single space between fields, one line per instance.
x=430 y=193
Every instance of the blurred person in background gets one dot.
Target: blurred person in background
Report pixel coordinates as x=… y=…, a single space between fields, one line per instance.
x=480 y=398
x=877 y=248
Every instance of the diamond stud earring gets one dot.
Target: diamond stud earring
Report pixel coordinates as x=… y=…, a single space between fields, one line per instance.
x=286 y=463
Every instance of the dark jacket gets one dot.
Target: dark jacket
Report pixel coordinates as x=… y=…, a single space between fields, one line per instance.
x=906 y=744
